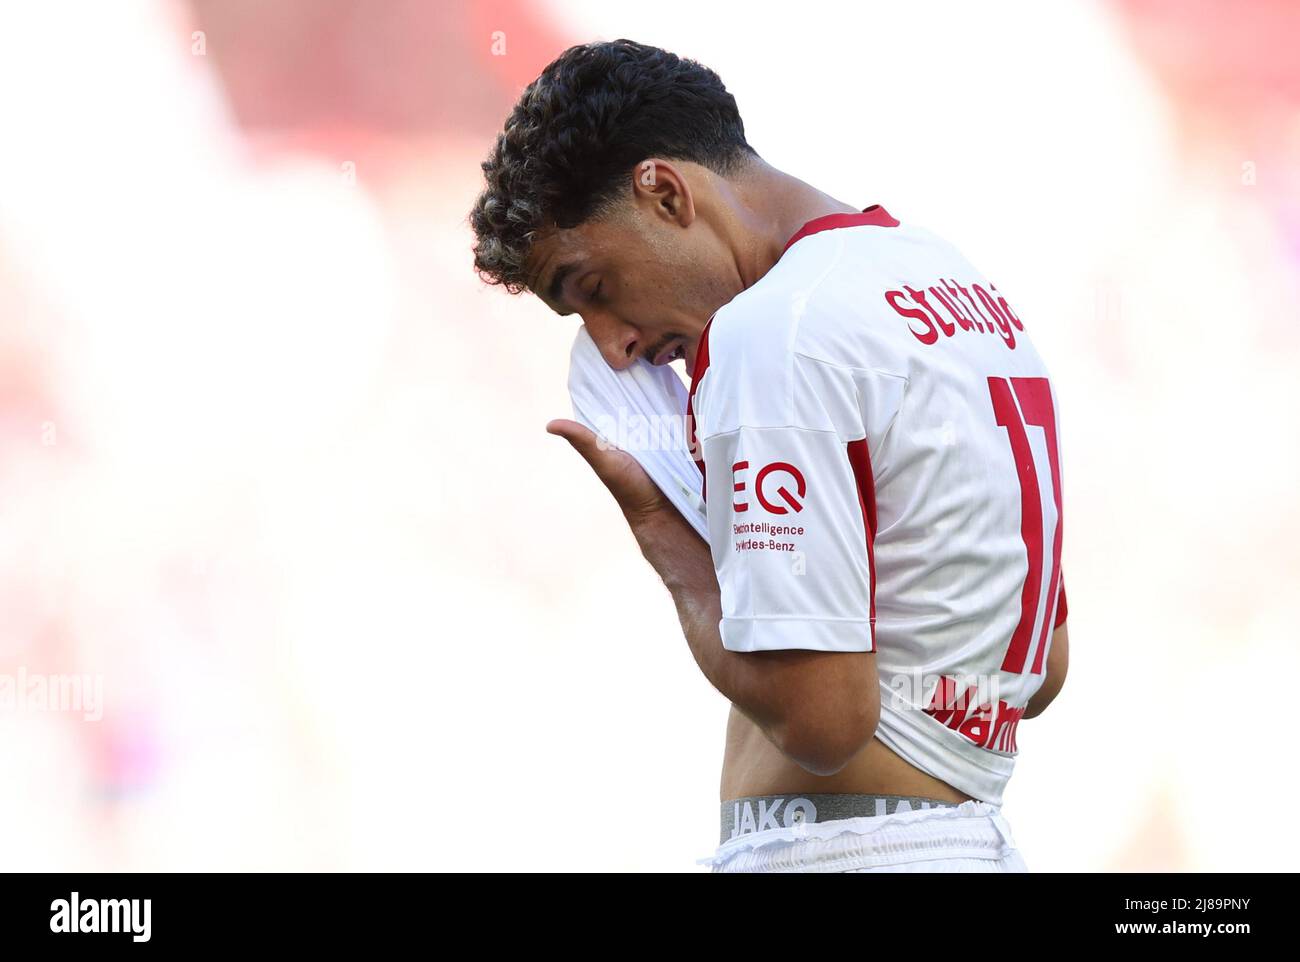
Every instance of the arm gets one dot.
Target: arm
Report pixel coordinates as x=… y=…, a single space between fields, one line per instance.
x=818 y=707
x=1058 y=662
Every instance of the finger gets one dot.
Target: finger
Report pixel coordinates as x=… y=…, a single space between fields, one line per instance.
x=626 y=480
x=600 y=455
x=567 y=429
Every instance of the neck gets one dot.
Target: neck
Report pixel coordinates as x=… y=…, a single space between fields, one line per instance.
x=769 y=207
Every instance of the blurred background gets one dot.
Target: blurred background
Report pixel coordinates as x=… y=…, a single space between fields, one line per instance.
x=272 y=461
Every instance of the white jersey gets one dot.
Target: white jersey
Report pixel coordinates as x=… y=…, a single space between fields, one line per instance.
x=881 y=468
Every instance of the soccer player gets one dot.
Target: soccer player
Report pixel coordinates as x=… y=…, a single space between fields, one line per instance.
x=881 y=598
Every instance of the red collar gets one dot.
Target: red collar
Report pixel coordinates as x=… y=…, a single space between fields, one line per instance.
x=873 y=216
x=701 y=357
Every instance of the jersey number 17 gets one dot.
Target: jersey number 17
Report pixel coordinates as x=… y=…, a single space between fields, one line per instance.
x=1035 y=407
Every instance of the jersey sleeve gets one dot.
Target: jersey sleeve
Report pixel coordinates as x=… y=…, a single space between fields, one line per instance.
x=789 y=532
x=1062 y=610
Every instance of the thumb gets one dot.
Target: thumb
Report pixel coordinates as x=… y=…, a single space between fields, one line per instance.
x=601 y=455
x=626 y=480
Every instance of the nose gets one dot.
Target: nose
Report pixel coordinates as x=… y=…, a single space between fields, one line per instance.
x=618 y=341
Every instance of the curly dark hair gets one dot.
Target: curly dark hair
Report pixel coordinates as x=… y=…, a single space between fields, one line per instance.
x=571 y=142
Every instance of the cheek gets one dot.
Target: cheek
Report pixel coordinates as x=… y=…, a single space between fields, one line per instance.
x=702 y=287
x=653 y=290
x=662 y=293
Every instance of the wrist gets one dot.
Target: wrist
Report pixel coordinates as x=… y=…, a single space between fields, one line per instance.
x=677 y=553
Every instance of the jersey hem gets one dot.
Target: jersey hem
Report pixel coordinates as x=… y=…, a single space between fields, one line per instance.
x=799 y=634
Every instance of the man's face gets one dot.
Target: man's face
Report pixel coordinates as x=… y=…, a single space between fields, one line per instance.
x=645 y=278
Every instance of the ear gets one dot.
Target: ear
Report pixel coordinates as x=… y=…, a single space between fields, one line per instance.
x=659 y=188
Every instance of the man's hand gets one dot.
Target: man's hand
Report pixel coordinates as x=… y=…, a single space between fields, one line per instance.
x=819 y=708
x=638 y=496
x=679 y=555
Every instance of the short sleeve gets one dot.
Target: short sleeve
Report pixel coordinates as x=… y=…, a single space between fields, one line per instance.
x=790 y=538
x=1062 y=609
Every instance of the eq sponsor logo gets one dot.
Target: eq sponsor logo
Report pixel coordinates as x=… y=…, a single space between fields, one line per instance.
x=779 y=487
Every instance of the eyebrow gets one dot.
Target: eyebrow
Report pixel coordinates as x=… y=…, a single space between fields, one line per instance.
x=556 y=288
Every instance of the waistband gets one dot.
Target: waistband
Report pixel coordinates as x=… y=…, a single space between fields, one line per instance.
x=758 y=813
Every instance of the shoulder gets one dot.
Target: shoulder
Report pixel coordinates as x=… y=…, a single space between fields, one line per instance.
x=754 y=333
x=758 y=374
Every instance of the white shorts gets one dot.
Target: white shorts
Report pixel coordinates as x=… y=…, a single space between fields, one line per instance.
x=970 y=837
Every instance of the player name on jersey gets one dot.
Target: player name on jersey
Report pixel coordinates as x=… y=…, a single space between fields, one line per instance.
x=961 y=305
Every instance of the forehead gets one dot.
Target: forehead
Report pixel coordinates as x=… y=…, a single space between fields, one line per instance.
x=593 y=243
